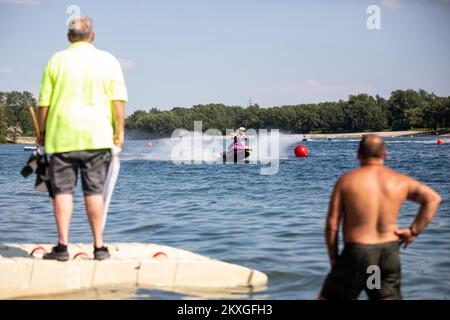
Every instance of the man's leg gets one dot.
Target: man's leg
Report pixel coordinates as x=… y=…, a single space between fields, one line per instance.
x=63 y=208
x=63 y=178
x=94 y=167
x=347 y=277
x=94 y=208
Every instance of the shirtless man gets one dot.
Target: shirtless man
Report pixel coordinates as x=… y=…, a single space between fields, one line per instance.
x=368 y=200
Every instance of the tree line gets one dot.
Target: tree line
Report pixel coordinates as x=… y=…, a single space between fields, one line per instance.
x=15 y=118
x=403 y=110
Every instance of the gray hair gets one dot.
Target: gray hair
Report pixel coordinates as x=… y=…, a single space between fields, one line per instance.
x=80 y=29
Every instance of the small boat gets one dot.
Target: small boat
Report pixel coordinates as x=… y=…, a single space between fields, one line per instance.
x=29 y=148
x=23 y=272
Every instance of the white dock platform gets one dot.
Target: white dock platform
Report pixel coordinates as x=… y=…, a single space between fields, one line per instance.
x=23 y=272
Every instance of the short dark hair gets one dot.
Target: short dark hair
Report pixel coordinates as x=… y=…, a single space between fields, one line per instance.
x=371 y=146
x=80 y=29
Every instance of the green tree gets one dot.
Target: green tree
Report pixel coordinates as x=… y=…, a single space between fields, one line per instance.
x=134 y=118
x=3 y=119
x=307 y=119
x=363 y=113
x=403 y=100
x=414 y=117
x=435 y=113
x=332 y=116
x=17 y=113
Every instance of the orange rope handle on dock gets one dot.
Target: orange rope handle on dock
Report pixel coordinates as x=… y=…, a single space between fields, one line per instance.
x=81 y=255
x=37 y=249
x=159 y=254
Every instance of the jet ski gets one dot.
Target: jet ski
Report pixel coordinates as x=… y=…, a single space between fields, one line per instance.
x=237 y=153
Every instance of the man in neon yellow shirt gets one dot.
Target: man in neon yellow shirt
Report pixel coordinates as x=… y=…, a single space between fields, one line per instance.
x=81 y=117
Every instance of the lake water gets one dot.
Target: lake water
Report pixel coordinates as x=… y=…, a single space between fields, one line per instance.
x=272 y=223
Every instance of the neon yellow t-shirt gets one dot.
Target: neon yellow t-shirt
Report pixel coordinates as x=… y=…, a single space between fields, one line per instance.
x=78 y=85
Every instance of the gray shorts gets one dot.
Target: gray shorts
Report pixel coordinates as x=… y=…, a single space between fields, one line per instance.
x=93 y=165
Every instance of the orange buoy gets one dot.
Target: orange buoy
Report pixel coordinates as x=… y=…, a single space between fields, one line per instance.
x=440 y=141
x=301 y=151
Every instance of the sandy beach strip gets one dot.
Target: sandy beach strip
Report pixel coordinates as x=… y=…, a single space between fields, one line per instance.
x=386 y=134
x=26 y=140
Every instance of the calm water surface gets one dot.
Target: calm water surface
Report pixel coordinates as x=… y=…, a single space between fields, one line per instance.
x=233 y=213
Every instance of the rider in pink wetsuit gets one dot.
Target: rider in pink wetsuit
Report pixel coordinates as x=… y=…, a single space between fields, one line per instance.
x=239 y=139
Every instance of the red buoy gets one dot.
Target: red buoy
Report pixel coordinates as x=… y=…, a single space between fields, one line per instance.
x=440 y=141
x=149 y=144
x=301 y=151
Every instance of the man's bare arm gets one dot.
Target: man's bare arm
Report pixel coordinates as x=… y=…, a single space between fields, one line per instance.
x=332 y=224
x=42 y=119
x=429 y=201
x=119 y=122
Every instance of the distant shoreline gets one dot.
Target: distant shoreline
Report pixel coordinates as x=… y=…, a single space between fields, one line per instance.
x=385 y=134
x=354 y=135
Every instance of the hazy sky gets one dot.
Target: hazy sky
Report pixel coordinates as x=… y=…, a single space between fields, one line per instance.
x=181 y=53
